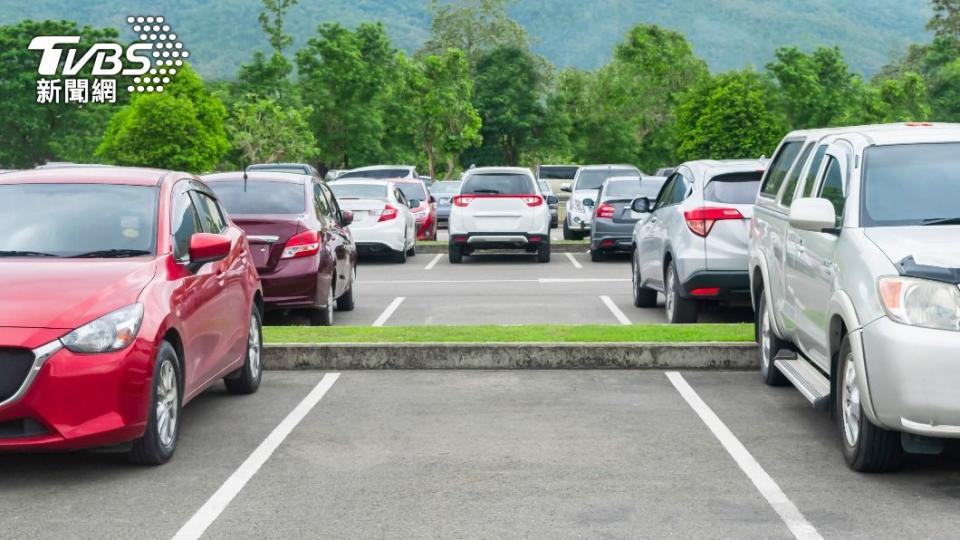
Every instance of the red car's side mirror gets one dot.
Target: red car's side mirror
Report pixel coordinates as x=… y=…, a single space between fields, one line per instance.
x=205 y=248
x=346 y=217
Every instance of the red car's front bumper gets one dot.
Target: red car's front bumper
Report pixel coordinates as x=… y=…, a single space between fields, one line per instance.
x=76 y=400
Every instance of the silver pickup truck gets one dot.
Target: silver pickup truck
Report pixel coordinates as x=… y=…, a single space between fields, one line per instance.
x=854 y=269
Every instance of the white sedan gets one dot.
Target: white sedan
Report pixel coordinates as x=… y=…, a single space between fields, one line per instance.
x=382 y=220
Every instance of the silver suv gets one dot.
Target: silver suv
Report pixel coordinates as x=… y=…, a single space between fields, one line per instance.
x=854 y=269
x=692 y=245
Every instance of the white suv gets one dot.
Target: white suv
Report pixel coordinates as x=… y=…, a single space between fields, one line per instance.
x=500 y=208
x=854 y=272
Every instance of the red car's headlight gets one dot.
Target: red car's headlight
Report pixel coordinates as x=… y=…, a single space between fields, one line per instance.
x=112 y=332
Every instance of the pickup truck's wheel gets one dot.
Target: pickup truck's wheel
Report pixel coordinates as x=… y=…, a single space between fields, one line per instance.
x=642 y=296
x=543 y=252
x=866 y=447
x=770 y=344
x=567 y=233
x=679 y=310
x=455 y=252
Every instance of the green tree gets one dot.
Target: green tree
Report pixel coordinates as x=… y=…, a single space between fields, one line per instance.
x=270 y=76
x=946 y=18
x=474 y=27
x=817 y=89
x=344 y=78
x=180 y=128
x=508 y=90
x=902 y=99
x=729 y=116
x=35 y=133
x=264 y=131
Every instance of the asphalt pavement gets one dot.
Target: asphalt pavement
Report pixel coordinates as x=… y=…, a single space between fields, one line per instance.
x=487 y=454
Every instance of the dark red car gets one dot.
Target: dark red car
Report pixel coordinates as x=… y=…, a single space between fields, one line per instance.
x=425 y=212
x=298 y=234
x=125 y=293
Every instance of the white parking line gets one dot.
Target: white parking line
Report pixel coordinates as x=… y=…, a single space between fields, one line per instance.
x=389 y=311
x=615 y=310
x=784 y=507
x=574 y=262
x=467 y=281
x=433 y=262
x=218 y=502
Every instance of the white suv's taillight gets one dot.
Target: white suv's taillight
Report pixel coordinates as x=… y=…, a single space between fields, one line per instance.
x=463 y=201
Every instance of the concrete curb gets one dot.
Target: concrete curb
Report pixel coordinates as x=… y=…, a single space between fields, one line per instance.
x=430 y=249
x=512 y=356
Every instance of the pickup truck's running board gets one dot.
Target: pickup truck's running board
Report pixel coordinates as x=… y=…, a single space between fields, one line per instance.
x=813 y=384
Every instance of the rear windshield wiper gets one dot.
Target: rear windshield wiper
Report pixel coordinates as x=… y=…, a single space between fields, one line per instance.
x=942 y=221
x=26 y=254
x=111 y=254
x=488 y=191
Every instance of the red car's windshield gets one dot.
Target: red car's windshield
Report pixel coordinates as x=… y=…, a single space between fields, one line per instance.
x=77 y=220
x=413 y=191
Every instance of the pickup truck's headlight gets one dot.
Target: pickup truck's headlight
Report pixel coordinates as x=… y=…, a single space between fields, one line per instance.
x=112 y=332
x=576 y=205
x=921 y=302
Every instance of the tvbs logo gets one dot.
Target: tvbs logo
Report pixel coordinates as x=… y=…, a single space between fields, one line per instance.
x=151 y=61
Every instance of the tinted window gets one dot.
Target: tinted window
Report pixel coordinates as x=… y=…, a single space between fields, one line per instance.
x=594 y=178
x=832 y=189
x=186 y=223
x=320 y=203
x=555 y=172
x=736 y=188
x=793 y=178
x=622 y=189
x=380 y=174
x=359 y=191
x=663 y=198
x=413 y=191
x=650 y=187
x=259 y=197
x=545 y=188
x=780 y=166
x=811 y=180
x=679 y=190
x=911 y=184
x=67 y=220
x=498 y=184
x=211 y=219
x=444 y=188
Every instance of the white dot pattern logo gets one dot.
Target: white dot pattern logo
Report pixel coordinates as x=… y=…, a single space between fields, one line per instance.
x=167 y=51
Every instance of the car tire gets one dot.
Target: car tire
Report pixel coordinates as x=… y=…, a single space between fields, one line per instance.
x=412 y=252
x=400 y=257
x=455 y=253
x=323 y=316
x=642 y=296
x=543 y=252
x=159 y=441
x=866 y=447
x=346 y=301
x=679 y=310
x=597 y=255
x=567 y=233
x=770 y=344
x=246 y=380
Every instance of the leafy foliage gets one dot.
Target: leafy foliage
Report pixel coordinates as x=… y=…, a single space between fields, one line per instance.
x=264 y=131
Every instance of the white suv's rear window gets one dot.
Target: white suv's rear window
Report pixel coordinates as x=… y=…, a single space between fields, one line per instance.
x=498 y=184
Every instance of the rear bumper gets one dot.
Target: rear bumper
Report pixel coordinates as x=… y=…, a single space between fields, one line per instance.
x=717 y=285
x=377 y=238
x=293 y=284
x=499 y=240
x=607 y=235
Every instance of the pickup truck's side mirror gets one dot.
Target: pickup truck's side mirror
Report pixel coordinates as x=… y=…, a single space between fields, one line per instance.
x=815 y=215
x=641 y=205
x=552 y=199
x=565 y=187
x=589 y=202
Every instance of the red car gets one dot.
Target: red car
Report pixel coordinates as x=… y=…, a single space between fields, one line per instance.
x=425 y=212
x=303 y=250
x=126 y=293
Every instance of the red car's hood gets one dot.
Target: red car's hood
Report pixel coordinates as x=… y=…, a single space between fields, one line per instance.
x=65 y=294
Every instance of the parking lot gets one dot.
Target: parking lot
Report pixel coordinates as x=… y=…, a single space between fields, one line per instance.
x=501 y=288
x=519 y=454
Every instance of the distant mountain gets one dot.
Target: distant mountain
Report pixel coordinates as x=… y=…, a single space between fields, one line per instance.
x=222 y=34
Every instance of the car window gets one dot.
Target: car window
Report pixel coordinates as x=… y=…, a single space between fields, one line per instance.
x=650 y=187
x=320 y=203
x=621 y=189
x=594 y=178
x=557 y=172
x=734 y=188
x=211 y=218
x=793 y=177
x=377 y=174
x=332 y=205
x=780 y=167
x=413 y=191
x=259 y=196
x=811 y=180
x=832 y=188
x=359 y=191
x=498 y=184
x=185 y=223
x=911 y=184
x=401 y=198
x=679 y=190
x=663 y=198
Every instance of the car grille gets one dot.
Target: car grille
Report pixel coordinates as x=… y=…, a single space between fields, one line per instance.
x=15 y=365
